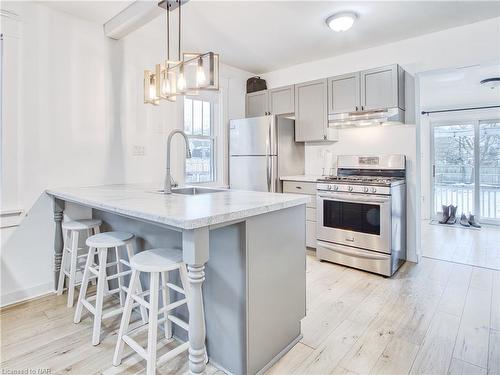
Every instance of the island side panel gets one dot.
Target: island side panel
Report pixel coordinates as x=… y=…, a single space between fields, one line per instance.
x=276 y=268
x=225 y=298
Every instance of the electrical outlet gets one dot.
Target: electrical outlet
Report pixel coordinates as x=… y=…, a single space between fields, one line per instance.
x=138 y=150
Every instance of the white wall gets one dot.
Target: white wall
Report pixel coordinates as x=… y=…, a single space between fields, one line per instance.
x=461 y=46
x=79 y=117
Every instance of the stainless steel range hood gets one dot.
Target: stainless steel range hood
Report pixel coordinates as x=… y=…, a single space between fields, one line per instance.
x=367 y=118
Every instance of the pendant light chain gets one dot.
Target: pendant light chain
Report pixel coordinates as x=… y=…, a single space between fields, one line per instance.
x=168 y=34
x=180 y=3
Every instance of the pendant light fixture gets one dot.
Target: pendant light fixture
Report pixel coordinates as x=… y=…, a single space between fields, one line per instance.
x=187 y=75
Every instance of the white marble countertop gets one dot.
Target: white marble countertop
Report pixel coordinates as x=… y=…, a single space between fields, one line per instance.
x=303 y=178
x=176 y=210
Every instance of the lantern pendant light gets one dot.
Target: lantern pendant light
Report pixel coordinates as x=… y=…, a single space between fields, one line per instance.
x=189 y=74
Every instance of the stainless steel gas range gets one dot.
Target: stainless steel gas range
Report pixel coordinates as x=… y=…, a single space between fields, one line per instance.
x=361 y=219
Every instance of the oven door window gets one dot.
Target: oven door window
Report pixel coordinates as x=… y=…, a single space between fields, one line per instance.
x=357 y=217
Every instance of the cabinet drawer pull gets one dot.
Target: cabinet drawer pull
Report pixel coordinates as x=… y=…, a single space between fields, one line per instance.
x=298 y=187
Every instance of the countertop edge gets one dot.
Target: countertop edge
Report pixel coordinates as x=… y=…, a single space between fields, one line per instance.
x=187 y=224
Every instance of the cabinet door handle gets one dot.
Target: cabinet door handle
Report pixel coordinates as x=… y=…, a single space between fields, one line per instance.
x=362 y=108
x=356 y=108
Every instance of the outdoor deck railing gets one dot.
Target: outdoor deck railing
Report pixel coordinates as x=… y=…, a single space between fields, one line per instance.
x=462 y=195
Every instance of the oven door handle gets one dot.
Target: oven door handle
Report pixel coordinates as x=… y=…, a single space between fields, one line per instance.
x=355 y=199
x=354 y=253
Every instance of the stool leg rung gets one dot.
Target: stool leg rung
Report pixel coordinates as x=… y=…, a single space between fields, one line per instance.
x=181 y=323
x=88 y=306
x=94 y=270
x=135 y=346
x=141 y=301
x=142 y=327
x=123 y=261
x=121 y=274
x=176 y=288
x=172 y=353
x=172 y=305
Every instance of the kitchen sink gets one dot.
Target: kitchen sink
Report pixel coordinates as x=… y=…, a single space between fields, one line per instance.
x=193 y=190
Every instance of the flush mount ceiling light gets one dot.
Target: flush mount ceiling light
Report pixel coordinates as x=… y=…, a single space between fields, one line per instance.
x=341 y=21
x=491 y=82
x=187 y=75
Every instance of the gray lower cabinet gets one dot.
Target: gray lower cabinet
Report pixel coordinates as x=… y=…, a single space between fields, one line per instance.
x=311 y=111
x=382 y=88
x=344 y=93
x=309 y=188
x=257 y=104
x=282 y=100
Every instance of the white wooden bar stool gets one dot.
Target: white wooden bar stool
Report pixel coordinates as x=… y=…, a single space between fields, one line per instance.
x=70 y=253
x=154 y=262
x=100 y=244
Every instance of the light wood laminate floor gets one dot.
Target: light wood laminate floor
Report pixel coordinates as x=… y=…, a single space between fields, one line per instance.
x=436 y=317
x=461 y=245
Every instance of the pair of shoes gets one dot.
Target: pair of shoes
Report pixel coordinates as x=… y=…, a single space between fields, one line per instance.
x=449 y=215
x=469 y=221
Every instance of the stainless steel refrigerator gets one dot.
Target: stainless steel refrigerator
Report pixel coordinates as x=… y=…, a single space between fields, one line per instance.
x=261 y=150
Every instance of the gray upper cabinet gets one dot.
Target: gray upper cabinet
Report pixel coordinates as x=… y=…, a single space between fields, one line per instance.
x=282 y=100
x=311 y=108
x=344 y=93
x=382 y=88
x=257 y=104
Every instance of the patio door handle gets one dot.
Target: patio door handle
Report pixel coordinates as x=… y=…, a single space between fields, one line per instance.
x=433 y=170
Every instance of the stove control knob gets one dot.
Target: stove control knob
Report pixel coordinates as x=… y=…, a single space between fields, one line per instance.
x=374 y=190
x=335 y=187
x=329 y=187
x=365 y=189
x=349 y=188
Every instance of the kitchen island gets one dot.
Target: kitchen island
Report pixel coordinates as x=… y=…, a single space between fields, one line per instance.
x=245 y=253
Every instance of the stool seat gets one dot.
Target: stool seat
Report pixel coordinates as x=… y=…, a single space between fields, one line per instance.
x=157 y=260
x=81 y=224
x=109 y=239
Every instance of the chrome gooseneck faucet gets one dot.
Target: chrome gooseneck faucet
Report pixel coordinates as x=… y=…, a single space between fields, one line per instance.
x=169 y=182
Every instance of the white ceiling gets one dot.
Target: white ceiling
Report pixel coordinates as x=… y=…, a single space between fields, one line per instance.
x=261 y=36
x=459 y=87
x=94 y=11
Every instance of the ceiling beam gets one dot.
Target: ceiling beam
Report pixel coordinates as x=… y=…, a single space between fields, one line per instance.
x=136 y=15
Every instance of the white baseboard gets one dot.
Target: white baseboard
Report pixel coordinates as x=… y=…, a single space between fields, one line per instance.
x=26 y=294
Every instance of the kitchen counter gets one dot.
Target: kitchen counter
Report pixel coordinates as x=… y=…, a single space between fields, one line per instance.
x=301 y=178
x=177 y=210
x=245 y=255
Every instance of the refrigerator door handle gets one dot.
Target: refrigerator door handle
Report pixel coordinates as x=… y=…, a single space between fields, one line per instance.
x=269 y=162
x=269 y=140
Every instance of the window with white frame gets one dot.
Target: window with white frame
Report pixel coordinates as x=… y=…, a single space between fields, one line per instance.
x=199 y=125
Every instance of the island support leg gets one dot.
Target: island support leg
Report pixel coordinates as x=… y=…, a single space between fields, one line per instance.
x=195 y=253
x=58 y=238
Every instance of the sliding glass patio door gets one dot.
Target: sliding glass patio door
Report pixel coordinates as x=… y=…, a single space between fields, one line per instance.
x=466 y=168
